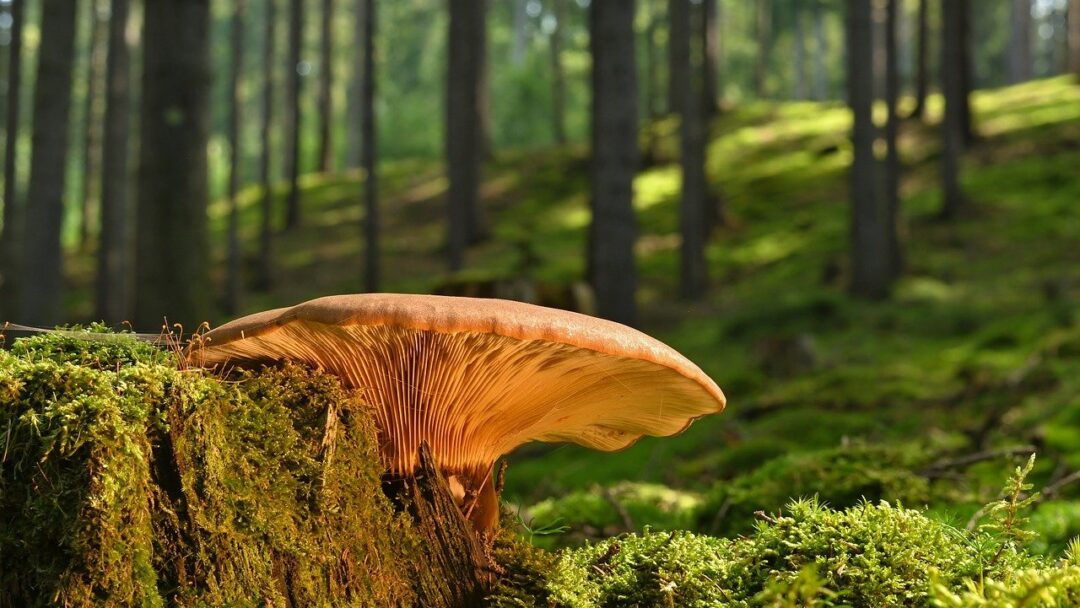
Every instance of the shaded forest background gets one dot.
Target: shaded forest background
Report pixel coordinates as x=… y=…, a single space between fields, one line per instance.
x=137 y=136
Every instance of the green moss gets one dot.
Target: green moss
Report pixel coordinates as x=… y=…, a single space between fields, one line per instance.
x=840 y=477
x=135 y=483
x=868 y=555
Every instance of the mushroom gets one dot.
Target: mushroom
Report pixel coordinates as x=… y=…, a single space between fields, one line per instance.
x=476 y=378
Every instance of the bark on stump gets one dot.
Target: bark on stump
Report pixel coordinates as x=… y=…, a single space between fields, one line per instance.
x=457 y=572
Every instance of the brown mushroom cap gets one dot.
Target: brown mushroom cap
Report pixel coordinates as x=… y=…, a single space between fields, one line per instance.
x=476 y=378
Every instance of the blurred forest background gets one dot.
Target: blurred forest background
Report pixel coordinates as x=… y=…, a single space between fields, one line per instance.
x=860 y=217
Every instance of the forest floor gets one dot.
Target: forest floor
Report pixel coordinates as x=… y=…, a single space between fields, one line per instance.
x=978 y=348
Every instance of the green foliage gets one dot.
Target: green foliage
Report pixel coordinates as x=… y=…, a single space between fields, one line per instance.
x=94 y=345
x=141 y=484
x=840 y=477
x=1007 y=518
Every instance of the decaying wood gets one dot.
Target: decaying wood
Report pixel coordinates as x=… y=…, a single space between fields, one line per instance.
x=457 y=571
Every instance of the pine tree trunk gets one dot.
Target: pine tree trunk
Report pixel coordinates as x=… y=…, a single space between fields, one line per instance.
x=326 y=73
x=264 y=279
x=710 y=41
x=465 y=118
x=368 y=152
x=966 y=70
x=892 y=132
x=763 y=27
x=232 y=275
x=870 y=253
x=821 y=49
x=692 y=269
x=558 y=74
x=952 y=129
x=113 y=290
x=171 y=239
x=356 y=88
x=41 y=295
x=799 y=55
x=1074 y=37
x=10 y=243
x=614 y=159
x=678 y=36
x=91 y=154
x=292 y=113
x=922 y=61
x=1020 y=63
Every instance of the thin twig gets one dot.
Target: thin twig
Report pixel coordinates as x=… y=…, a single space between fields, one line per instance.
x=628 y=522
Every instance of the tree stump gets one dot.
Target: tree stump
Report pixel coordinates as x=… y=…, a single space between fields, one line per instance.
x=456 y=571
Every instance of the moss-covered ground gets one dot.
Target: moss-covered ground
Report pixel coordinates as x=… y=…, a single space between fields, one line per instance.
x=977 y=352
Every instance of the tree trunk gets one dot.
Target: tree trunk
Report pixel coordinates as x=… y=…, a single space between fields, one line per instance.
x=678 y=35
x=10 y=243
x=614 y=159
x=91 y=156
x=693 y=275
x=368 y=152
x=870 y=253
x=464 y=124
x=952 y=129
x=710 y=65
x=326 y=73
x=1020 y=62
x=41 y=295
x=232 y=275
x=520 y=23
x=966 y=70
x=113 y=289
x=171 y=239
x=356 y=88
x=292 y=113
x=892 y=131
x=922 y=61
x=799 y=54
x=821 y=49
x=1074 y=37
x=558 y=74
x=763 y=26
x=264 y=279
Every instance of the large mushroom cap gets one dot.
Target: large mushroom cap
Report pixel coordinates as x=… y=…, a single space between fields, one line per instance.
x=476 y=378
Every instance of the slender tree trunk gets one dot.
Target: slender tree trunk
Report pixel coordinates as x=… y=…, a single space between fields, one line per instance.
x=892 y=132
x=520 y=22
x=967 y=75
x=558 y=74
x=764 y=46
x=799 y=55
x=952 y=129
x=710 y=65
x=678 y=34
x=1074 y=37
x=10 y=243
x=464 y=124
x=1020 y=62
x=821 y=49
x=41 y=295
x=922 y=61
x=232 y=278
x=113 y=290
x=356 y=88
x=870 y=253
x=266 y=203
x=171 y=239
x=693 y=275
x=292 y=113
x=91 y=156
x=614 y=159
x=326 y=73
x=368 y=153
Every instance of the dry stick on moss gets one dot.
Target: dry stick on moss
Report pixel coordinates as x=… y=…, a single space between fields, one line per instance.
x=624 y=515
x=941 y=468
